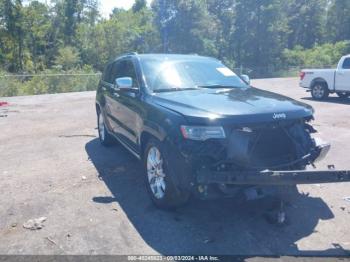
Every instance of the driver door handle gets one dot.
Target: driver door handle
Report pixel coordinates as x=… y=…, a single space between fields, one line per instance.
x=115 y=91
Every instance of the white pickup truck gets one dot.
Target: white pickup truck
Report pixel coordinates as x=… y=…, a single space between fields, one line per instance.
x=323 y=82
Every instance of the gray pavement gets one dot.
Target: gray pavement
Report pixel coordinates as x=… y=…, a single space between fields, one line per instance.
x=94 y=198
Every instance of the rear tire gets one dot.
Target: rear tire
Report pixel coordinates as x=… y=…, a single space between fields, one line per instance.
x=160 y=174
x=105 y=138
x=343 y=94
x=319 y=91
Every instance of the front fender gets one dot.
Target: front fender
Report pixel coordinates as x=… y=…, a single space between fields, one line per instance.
x=161 y=124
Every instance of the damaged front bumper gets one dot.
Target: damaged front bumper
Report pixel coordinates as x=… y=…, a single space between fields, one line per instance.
x=263 y=155
x=207 y=176
x=268 y=177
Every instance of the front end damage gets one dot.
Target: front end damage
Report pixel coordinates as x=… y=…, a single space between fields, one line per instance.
x=268 y=154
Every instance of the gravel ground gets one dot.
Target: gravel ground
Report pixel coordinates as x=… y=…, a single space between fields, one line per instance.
x=95 y=202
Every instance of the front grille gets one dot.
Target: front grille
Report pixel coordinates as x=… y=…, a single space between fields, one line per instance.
x=261 y=148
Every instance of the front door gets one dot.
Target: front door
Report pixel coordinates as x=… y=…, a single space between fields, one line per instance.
x=342 y=81
x=126 y=105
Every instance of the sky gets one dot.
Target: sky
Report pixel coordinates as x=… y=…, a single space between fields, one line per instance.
x=106 y=6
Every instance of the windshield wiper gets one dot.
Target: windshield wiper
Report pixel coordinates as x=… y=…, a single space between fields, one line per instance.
x=219 y=86
x=173 y=89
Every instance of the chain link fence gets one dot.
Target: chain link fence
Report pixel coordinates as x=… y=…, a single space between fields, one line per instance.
x=34 y=84
x=276 y=71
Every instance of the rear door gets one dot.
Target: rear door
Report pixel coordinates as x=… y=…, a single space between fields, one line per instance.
x=107 y=90
x=112 y=103
x=342 y=80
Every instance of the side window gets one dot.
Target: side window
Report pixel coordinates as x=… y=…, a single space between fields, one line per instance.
x=107 y=73
x=346 y=63
x=115 y=71
x=127 y=69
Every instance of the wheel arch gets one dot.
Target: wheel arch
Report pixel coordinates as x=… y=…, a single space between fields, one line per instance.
x=319 y=80
x=146 y=135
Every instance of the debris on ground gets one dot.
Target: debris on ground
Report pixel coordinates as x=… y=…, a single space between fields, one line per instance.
x=71 y=136
x=14 y=225
x=4 y=103
x=83 y=177
x=342 y=208
x=52 y=241
x=35 y=224
x=347 y=198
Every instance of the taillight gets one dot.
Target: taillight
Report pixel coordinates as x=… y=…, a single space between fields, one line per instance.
x=302 y=75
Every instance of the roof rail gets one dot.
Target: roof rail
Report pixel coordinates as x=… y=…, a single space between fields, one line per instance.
x=130 y=53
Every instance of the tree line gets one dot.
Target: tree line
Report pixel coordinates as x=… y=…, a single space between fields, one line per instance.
x=71 y=35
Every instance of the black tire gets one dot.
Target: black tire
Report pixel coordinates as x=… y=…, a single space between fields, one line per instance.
x=343 y=94
x=172 y=196
x=105 y=138
x=319 y=91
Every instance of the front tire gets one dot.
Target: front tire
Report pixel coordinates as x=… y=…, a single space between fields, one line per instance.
x=160 y=177
x=105 y=138
x=343 y=95
x=319 y=91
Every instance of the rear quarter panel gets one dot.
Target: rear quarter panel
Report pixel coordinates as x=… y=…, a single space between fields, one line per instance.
x=311 y=75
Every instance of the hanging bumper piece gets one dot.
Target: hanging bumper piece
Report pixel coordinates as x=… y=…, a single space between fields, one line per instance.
x=268 y=177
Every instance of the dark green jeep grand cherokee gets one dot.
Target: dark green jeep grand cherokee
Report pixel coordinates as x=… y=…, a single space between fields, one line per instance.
x=201 y=129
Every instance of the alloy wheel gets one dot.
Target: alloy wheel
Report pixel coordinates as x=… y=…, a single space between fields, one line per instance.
x=155 y=172
x=318 y=91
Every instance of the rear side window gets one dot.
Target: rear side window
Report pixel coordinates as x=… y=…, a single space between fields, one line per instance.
x=106 y=76
x=346 y=64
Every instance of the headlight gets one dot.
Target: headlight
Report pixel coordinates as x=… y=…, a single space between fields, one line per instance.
x=202 y=132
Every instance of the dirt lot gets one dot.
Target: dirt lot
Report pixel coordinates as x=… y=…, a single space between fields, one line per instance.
x=52 y=165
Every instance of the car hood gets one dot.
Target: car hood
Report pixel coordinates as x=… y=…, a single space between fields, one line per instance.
x=237 y=104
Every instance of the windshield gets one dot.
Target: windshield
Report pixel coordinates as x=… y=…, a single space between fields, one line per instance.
x=168 y=75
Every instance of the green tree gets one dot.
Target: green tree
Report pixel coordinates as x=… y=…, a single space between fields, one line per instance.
x=318 y=56
x=260 y=33
x=125 y=31
x=67 y=58
x=185 y=26
x=91 y=13
x=70 y=20
x=223 y=11
x=139 y=5
x=306 y=19
x=338 y=21
x=13 y=33
x=37 y=22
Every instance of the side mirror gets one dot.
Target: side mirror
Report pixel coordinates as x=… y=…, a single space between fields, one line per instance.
x=246 y=79
x=123 y=82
